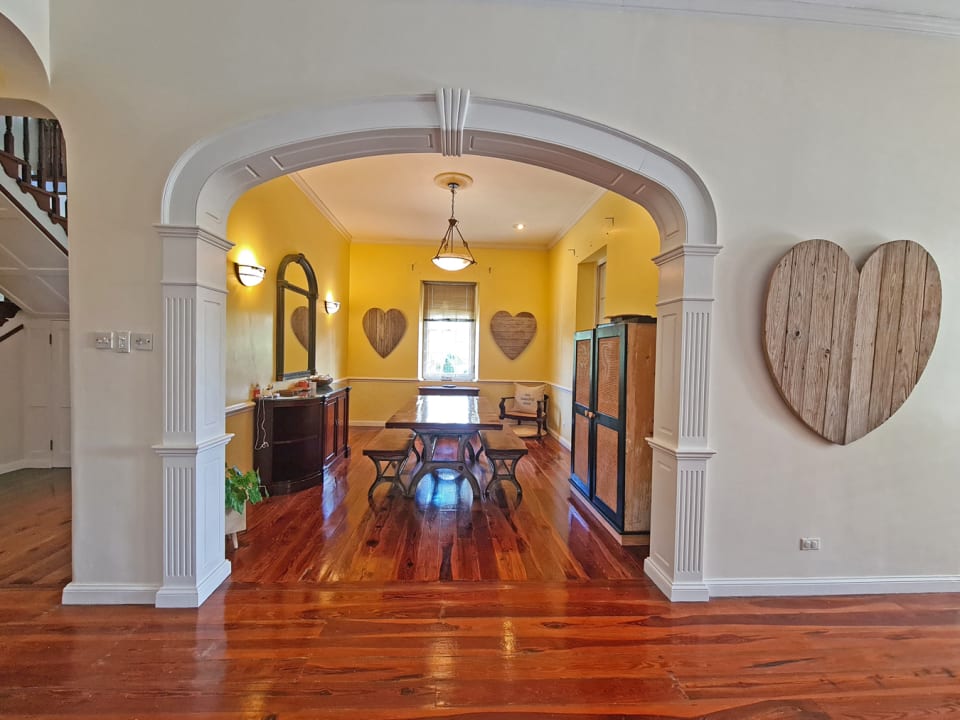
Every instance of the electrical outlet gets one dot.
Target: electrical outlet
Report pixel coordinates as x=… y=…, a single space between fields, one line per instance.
x=123 y=341
x=809 y=543
x=103 y=340
x=143 y=341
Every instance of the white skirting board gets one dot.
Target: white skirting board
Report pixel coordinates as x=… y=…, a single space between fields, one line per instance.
x=109 y=594
x=869 y=585
x=12 y=466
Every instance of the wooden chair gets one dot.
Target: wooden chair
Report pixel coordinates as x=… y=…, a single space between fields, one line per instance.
x=510 y=411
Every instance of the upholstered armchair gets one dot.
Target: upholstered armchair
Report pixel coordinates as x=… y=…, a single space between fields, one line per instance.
x=527 y=404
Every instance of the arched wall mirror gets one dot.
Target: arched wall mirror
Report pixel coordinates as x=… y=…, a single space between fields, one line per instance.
x=296 y=325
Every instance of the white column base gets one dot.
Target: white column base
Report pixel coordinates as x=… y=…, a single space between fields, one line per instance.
x=674 y=590
x=108 y=594
x=192 y=597
x=193 y=520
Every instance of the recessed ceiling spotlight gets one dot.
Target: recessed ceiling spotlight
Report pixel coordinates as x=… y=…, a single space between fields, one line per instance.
x=519 y=226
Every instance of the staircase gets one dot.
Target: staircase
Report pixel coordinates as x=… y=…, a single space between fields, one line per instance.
x=33 y=155
x=33 y=208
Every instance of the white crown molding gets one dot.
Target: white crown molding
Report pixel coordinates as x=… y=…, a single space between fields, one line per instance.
x=312 y=196
x=578 y=216
x=919 y=16
x=474 y=244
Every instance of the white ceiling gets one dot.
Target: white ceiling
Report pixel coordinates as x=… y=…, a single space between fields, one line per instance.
x=393 y=199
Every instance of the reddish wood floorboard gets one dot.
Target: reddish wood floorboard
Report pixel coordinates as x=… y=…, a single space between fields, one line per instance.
x=338 y=633
x=332 y=533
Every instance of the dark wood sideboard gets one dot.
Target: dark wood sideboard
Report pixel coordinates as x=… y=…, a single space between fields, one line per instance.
x=295 y=439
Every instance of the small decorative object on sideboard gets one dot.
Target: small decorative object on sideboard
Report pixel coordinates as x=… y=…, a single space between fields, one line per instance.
x=321 y=381
x=240 y=488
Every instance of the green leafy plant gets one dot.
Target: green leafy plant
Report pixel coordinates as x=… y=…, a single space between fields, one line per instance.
x=243 y=487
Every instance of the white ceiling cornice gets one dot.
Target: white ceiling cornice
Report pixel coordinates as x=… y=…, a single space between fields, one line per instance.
x=922 y=16
x=578 y=216
x=319 y=204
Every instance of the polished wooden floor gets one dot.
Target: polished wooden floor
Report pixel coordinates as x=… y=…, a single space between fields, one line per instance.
x=334 y=534
x=35 y=528
x=530 y=649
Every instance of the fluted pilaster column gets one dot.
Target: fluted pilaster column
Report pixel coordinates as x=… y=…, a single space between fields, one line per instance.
x=194 y=326
x=680 y=440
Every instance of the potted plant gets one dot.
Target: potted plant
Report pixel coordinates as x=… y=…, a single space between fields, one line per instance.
x=241 y=488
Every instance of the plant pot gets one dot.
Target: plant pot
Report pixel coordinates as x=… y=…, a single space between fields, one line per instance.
x=235 y=522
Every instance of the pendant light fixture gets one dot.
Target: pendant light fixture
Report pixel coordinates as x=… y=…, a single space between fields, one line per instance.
x=454 y=253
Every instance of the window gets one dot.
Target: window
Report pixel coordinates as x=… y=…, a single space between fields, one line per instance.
x=448 y=337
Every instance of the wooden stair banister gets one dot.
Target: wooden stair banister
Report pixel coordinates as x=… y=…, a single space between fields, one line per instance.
x=39 y=166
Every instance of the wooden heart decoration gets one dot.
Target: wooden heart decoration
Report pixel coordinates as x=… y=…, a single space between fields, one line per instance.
x=384 y=329
x=846 y=348
x=512 y=333
x=300 y=322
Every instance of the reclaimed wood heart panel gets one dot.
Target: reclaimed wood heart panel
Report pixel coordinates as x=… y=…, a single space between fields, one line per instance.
x=384 y=329
x=846 y=348
x=299 y=322
x=512 y=333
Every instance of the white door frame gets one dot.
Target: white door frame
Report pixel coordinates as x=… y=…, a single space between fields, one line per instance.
x=210 y=176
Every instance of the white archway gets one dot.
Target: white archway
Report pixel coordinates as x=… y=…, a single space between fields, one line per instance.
x=210 y=176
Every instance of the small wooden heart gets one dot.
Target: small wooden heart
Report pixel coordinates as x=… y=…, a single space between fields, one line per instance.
x=846 y=348
x=300 y=322
x=384 y=330
x=513 y=333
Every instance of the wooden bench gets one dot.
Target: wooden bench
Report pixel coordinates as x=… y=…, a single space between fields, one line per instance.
x=504 y=450
x=389 y=450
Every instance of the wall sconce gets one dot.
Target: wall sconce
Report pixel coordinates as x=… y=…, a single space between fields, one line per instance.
x=249 y=274
x=331 y=306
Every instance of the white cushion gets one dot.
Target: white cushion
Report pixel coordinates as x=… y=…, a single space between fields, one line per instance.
x=526 y=397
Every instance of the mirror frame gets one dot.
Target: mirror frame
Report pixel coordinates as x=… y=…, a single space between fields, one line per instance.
x=311 y=293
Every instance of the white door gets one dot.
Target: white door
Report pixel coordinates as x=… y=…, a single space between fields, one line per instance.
x=46 y=395
x=60 y=393
x=37 y=448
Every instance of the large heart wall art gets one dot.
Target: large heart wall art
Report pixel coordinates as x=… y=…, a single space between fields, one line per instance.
x=300 y=322
x=384 y=329
x=847 y=347
x=512 y=333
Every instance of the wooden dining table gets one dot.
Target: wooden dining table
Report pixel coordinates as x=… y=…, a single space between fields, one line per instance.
x=433 y=417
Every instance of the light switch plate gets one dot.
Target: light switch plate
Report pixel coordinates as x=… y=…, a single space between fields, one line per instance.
x=123 y=341
x=103 y=340
x=143 y=341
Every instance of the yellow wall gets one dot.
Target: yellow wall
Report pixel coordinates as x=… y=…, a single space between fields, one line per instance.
x=390 y=276
x=276 y=218
x=629 y=245
x=271 y=221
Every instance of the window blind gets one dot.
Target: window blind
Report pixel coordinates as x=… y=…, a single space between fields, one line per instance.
x=451 y=302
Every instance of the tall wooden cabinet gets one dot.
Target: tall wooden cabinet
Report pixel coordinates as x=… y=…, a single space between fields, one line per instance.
x=294 y=439
x=613 y=385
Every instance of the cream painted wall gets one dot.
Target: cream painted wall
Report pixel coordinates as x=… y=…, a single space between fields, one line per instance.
x=269 y=222
x=797 y=130
x=12 y=353
x=391 y=276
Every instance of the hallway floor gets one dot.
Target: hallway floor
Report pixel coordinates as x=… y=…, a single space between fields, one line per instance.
x=369 y=645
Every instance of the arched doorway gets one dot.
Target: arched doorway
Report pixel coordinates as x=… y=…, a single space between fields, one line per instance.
x=210 y=176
